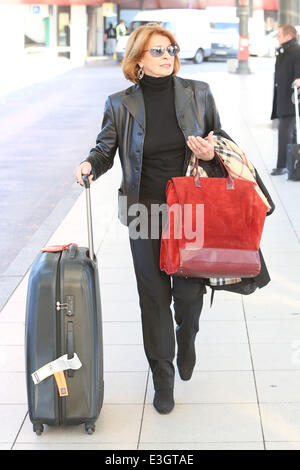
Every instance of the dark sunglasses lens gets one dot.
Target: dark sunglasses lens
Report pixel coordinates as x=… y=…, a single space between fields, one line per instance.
x=157 y=51
x=172 y=50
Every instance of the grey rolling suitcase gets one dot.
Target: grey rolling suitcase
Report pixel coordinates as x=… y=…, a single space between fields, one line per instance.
x=293 y=150
x=63 y=334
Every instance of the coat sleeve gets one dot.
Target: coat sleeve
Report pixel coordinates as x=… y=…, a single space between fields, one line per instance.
x=212 y=118
x=101 y=156
x=296 y=64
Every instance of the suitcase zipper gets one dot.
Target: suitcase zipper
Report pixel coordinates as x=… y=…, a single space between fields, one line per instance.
x=65 y=333
x=58 y=333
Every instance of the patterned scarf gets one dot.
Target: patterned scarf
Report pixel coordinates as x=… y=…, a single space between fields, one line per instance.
x=239 y=167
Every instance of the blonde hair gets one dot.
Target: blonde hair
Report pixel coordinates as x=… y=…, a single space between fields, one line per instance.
x=136 y=44
x=288 y=30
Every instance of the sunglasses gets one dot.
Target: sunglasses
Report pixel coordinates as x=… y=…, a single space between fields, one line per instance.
x=159 y=51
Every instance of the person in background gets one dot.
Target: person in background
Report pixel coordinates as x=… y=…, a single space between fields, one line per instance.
x=110 y=40
x=287 y=70
x=121 y=29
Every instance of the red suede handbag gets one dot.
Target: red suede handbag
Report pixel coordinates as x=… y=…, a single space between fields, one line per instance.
x=214 y=227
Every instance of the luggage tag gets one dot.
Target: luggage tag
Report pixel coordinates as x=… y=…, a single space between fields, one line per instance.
x=60 y=364
x=61 y=383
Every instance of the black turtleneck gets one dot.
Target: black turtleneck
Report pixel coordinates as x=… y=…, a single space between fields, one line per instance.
x=164 y=144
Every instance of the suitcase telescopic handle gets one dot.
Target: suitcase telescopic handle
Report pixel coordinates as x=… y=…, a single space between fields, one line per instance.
x=297 y=112
x=89 y=216
x=70 y=345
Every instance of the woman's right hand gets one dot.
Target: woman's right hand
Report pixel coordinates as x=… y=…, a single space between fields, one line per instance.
x=84 y=168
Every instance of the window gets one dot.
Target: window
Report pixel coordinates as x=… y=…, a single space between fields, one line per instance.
x=225 y=26
x=136 y=24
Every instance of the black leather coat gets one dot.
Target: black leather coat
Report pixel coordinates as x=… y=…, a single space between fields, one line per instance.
x=123 y=128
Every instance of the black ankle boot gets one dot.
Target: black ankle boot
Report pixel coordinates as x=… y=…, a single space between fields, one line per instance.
x=186 y=364
x=163 y=401
x=185 y=372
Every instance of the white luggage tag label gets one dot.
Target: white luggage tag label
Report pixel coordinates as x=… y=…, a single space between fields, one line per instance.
x=62 y=363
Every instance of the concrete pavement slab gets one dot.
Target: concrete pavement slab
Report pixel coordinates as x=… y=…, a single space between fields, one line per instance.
x=12 y=359
x=11 y=419
x=282 y=445
x=226 y=309
x=202 y=423
x=7 y=285
x=274 y=331
x=129 y=357
x=122 y=333
x=275 y=356
x=117 y=310
x=114 y=446
x=281 y=421
x=278 y=386
x=222 y=332
x=204 y=446
x=13 y=388
x=132 y=384
x=223 y=356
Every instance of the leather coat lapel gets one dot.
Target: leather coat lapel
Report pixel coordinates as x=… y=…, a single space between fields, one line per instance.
x=183 y=94
x=134 y=102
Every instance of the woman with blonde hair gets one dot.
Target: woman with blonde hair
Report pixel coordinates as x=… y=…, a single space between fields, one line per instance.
x=156 y=125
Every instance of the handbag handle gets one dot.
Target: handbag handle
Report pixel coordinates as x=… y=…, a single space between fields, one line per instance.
x=229 y=180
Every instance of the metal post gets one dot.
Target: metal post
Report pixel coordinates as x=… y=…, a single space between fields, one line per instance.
x=243 y=12
x=289 y=12
x=53 y=29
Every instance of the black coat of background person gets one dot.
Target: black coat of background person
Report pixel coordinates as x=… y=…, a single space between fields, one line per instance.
x=123 y=127
x=287 y=69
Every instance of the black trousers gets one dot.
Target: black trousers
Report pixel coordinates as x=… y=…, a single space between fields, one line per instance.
x=286 y=135
x=156 y=290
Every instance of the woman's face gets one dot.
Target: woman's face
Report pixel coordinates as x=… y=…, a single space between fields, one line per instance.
x=157 y=66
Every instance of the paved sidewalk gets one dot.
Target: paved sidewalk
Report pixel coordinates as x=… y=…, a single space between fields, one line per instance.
x=244 y=393
x=32 y=68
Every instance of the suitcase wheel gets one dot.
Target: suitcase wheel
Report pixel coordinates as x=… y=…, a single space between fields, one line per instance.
x=90 y=428
x=38 y=428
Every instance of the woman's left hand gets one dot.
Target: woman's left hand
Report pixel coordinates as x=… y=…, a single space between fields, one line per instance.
x=203 y=149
